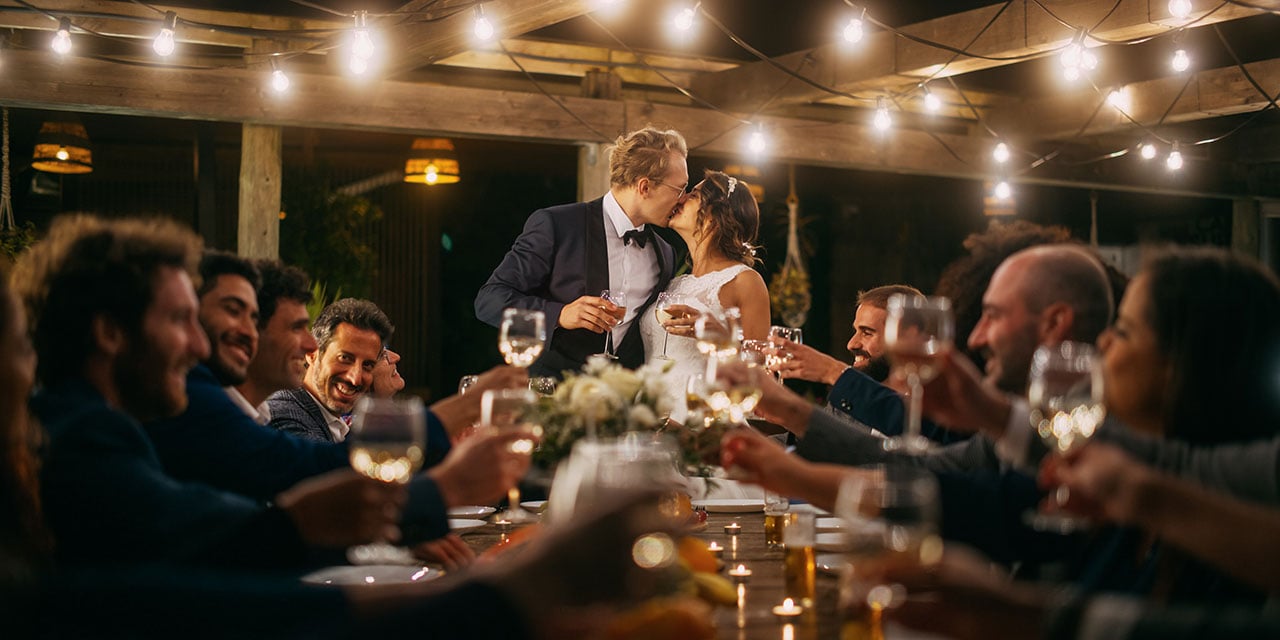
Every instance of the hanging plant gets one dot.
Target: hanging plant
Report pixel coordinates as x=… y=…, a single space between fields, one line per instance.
x=789 y=289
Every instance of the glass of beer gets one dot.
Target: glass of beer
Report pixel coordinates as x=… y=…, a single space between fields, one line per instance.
x=800 y=567
x=776 y=509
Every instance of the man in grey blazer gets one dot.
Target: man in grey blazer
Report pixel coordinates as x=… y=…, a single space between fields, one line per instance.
x=568 y=254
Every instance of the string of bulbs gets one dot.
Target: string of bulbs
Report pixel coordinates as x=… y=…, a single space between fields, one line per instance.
x=1076 y=59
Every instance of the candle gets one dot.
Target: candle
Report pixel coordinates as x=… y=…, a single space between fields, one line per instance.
x=788 y=609
x=740 y=573
x=715 y=549
x=733 y=528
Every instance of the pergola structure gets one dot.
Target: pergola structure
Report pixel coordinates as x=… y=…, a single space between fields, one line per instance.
x=542 y=79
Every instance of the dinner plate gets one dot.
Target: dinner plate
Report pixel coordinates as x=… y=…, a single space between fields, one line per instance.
x=372 y=574
x=831 y=562
x=460 y=525
x=730 y=506
x=831 y=542
x=475 y=512
x=534 y=505
x=805 y=507
x=829 y=524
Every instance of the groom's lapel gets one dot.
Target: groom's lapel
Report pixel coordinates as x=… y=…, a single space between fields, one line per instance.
x=664 y=269
x=597 y=250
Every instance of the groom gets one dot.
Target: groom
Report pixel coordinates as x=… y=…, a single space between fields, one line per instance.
x=568 y=254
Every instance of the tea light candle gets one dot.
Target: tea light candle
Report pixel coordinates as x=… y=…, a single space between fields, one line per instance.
x=740 y=573
x=788 y=609
x=715 y=549
x=733 y=528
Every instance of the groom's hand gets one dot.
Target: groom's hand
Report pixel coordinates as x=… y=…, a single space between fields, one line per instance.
x=591 y=313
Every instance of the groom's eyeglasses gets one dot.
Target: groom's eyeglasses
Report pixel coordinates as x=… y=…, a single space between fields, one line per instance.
x=680 y=189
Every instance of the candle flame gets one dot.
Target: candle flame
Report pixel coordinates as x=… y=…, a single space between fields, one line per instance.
x=788 y=604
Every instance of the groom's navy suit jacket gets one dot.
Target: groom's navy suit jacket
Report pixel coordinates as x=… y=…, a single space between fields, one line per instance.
x=560 y=256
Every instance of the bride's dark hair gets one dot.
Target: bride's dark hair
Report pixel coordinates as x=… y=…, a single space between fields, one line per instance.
x=727 y=204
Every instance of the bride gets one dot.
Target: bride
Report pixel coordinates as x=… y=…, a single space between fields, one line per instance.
x=718 y=220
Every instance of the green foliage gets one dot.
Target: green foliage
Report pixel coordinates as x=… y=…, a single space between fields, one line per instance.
x=326 y=233
x=320 y=299
x=15 y=240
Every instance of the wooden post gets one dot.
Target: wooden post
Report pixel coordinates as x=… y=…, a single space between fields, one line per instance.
x=593 y=170
x=1246 y=223
x=258 y=234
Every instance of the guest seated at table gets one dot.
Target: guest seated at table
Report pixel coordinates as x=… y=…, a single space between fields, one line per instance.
x=387 y=381
x=284 y=338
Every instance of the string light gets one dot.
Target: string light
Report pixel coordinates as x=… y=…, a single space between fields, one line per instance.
x=882 y=121
x=361 y=41
x=1174 y=161
x=1181 y=61
x=684 y=18
x=1076 y=58
x=756 y=143
x=279 y=81
x=853 y=31
x=1179 y=8
x=1089 y=60
x=483 y=28
x=1120 y=100
x=931 y=102
x=1147 y=151
x=62 y=39
x=1001 y=153
x=1002 y=190
x=164 y=43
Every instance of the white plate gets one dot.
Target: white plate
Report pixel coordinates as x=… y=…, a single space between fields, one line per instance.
x=831 y=562
x=475 y=512
x=831 y=542
x=805 y=507
x=730 y=506
x=458 y=526
x=829 y=524
x=372 y=574
x=534 y=505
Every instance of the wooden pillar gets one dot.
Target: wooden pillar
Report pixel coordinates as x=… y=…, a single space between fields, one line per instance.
x=593 y=170
x=258 y=234
x=1246 y=225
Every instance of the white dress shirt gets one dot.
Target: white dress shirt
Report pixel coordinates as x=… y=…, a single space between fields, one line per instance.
x=261 y=414
x=631 y=269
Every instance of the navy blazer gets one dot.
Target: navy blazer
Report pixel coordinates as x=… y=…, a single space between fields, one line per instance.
x=871 y=403
x=560 y=256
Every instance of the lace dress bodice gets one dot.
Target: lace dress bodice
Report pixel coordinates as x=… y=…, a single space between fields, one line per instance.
x=702 y=293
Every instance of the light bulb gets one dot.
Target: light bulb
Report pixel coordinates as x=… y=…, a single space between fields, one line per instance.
x=361 y=41
x=1174 y=161
x=164 y=44
x=853 y=31
x=1089 y=60
x=433 y=174
x=757 y=142
x=62 y=39
x=1181 y=61
x=62 y=154
x=1119 y=99
x=684 y=19
x=279 y=81
x=483 y=28
x=1002 y=191
x=882 y=121
x=932 y=102
x=1001 y=153
x=1071 y=73
x=1147 y=151
x=1179 y=8
x=359 y=65
x=1071 y=55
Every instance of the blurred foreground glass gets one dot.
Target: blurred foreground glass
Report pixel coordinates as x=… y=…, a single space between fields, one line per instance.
x=509 y=410
x=733 y=385
x=466 y=383
x=776 y=508
x=719 y=334
x=916 y=331
x=1064 y=391
x=777 y=354
x=800 y=564
x=386 y=443
x=598 y=473
x=522 y=336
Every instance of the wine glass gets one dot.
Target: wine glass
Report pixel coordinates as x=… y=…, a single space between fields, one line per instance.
x=698 y=413
x=522 y=336
x=916 y=331
x=466 y=383
x=777 y=355
x=734 y=387
x=618 y=298
x=665 y=301
x=1064 y=391
x=891 y=518
x=719 y=334
x=511 y=410
x=387 y=443
x=597 y=472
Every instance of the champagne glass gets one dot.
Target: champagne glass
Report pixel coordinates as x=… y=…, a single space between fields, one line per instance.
x=719 y=334
x=511 y=410
x=387 y=443
x=522 y=336
x=891 y=516
x=698 y=413
x=618 y=298
x=734 y=385
x=916 y=331
x=777 y=355
x=466 y=383
x=665 y=301
x=1064 y=390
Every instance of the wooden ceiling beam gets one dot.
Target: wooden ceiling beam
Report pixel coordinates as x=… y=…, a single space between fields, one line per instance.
x=563 y=59
x=884 y=59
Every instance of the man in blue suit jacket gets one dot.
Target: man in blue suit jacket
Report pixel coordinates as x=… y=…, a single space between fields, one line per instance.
x=568 y=254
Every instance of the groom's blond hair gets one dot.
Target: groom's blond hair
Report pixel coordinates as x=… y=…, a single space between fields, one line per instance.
x=644 y=153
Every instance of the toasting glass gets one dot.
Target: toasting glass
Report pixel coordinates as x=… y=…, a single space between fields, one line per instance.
x=387 y=443
x=522 y=336
x=618 y=298
x=511 y=410
x=916 y=331
x=777 y=355
x=660 y=310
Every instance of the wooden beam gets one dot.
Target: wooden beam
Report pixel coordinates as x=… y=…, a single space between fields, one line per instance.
x=575 y=60
x=1207 y=94
x=421 y=43
x=882 y=58
x=258 y=225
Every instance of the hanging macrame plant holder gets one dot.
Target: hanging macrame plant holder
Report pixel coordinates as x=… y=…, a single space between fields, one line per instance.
x=6 y=202
x=789 y=289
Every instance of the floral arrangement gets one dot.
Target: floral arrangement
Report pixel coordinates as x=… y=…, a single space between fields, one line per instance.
x=613 y=400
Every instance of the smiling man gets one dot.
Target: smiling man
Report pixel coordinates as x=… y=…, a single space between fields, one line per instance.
x=229 y=314
x=349 y=336
x=284 y=338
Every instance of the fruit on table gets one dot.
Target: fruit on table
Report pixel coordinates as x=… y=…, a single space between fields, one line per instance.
x=664 y=619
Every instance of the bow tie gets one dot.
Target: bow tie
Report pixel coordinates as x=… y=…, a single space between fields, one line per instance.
x=639 y=236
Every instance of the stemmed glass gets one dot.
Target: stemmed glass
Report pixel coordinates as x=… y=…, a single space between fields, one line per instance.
x=522 y=336
x=719 y=335
x=1064 y=390
x=466 y=383
x=733 y=383
x=665 y=301
x=916 y=331
x=510 y=410
x=598 y=471
x=618 y=298
x=387 y=443
x=777 y=355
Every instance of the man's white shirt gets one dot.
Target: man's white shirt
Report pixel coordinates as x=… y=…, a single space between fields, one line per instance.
x=632 y=269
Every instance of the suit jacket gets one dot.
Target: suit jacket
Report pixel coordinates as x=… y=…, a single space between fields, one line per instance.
x=215 y=443
x=560 y=256
x=109 y=501
x=880 y=407
x=295 y=412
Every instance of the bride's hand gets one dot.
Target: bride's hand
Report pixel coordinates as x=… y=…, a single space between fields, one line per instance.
x=682 y=318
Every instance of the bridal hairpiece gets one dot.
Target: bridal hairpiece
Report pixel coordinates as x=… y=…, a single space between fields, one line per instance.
x=733 y=184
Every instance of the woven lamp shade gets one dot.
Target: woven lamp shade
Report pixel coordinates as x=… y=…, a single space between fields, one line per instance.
x=62 y=146
x=432 y=161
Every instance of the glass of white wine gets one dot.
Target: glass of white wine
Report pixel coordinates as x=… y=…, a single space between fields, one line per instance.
x=511 y=410
x=777 y=355
x=618 y=298
x=917 y=329
x=734 y=385
x=661 y=310
x=387 y=443
x=719 y=335
x=522 y=336
x=1064 y=390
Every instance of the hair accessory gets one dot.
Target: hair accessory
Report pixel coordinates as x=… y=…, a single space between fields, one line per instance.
x=733 y=183
x=748 y=249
